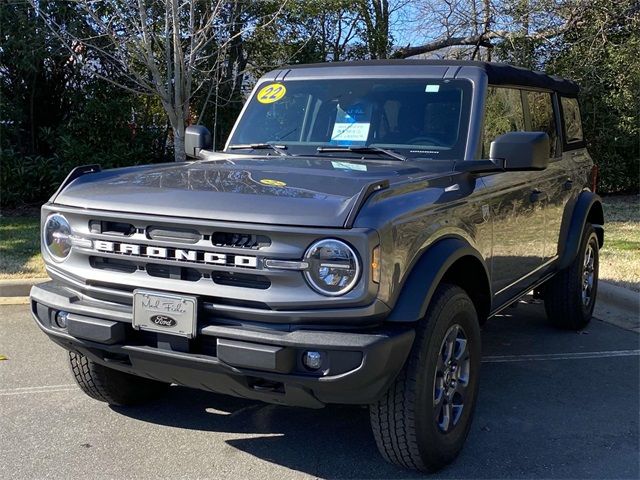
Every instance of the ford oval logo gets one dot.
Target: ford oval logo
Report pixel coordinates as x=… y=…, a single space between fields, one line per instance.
x=163 y=321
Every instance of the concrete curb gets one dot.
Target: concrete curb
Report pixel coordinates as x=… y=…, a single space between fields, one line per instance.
x=618 y=306
x=20 y=287
x=622 y=297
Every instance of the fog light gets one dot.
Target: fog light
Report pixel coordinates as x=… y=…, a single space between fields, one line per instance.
x=61 y=319
x=312 y=360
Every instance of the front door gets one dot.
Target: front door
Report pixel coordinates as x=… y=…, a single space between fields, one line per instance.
x=516 y=201
x=516 y=204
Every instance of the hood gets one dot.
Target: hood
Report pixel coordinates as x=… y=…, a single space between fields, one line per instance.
x=300 y=191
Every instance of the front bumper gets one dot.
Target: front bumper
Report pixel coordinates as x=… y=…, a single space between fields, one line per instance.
x=257 y=361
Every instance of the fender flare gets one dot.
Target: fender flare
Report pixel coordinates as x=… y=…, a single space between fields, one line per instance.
x=586 y=203
x=425 y=276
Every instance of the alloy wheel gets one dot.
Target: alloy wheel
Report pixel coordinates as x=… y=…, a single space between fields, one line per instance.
x=451 y=379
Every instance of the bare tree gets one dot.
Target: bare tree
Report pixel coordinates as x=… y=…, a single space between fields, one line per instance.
x=377 y=17
x=475 y=27
x=163 y=48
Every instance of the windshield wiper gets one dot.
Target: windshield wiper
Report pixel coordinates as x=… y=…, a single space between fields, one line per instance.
x=363 y=149
x=260 y=146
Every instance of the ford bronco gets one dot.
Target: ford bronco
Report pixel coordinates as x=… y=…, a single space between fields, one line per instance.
x=361 y=224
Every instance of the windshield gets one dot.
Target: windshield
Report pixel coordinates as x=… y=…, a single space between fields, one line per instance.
x=420 y=118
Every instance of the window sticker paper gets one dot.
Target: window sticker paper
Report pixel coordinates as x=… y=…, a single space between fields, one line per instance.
x=352 y=132
x=349 y=166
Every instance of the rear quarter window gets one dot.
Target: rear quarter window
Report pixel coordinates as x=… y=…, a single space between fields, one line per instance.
x=571 y=121
x=542 y=118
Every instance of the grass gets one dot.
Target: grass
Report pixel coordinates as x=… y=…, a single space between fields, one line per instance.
x=20 y=248
x=620 y=256
x=619 y=262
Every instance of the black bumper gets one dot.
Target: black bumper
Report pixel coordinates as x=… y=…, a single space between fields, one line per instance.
x=251 y=361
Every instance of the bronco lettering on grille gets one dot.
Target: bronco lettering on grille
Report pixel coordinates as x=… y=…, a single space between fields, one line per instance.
x=195 y=256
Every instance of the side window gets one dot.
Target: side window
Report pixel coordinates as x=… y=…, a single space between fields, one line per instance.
x=572 y=122
x=542 y=118
x=503 y=113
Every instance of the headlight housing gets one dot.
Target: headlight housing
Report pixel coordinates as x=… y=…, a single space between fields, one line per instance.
x=333 y=267
x=57 y=238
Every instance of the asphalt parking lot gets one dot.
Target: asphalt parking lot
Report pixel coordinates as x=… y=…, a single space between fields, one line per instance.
x=552 y=405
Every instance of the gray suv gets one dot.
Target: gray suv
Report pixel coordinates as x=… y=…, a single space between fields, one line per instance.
x=361 y=224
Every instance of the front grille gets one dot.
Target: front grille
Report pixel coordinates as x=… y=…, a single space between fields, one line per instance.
x=208 y=302
x=224 y=264
x=177 y=235
x=111 y=228
x=240 y=240
x=179 y=253
x=241 y=280
x=176 y=273
x=112 y=264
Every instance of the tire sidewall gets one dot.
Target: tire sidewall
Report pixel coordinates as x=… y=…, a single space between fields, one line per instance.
x=431 y=441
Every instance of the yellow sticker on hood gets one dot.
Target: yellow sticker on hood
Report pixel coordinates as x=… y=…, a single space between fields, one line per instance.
x=273 y=183
x=271 y=93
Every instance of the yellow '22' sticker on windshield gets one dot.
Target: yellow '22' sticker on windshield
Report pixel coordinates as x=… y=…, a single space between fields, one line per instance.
x=271 y=93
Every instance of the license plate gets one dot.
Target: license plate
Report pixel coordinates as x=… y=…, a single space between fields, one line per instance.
x=164 y=313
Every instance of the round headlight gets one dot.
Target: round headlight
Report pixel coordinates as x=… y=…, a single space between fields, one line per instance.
x=57 y=237
x=333 y=267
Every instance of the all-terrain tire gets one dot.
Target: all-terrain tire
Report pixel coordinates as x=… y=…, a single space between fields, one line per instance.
x=113 y=386
x=564 y=294
x=406 y=421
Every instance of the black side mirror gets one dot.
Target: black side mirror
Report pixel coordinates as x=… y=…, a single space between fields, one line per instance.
x=196 y=138
x=521 y=151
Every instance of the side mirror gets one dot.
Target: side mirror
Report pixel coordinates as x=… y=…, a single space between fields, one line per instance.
x=521 y=151
x=196 y=138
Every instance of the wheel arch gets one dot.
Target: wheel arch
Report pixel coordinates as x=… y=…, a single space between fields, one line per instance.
x=587 y=209
x=451 y=260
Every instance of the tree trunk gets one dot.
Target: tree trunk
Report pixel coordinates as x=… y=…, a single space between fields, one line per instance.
x=178 y=145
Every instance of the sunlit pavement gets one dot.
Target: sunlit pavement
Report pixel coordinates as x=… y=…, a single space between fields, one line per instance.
x=552 y=405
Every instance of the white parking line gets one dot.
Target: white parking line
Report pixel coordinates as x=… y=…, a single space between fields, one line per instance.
x=560 y=356
x=40 y=389
x=33 y=392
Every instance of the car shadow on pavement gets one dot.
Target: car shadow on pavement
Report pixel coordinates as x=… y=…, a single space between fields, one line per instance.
x=534 y=419
x=333 y=442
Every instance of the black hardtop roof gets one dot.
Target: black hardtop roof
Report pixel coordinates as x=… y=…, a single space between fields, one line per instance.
x=497 y=73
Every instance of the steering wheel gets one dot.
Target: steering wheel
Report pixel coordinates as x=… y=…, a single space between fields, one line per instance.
x=426 y=141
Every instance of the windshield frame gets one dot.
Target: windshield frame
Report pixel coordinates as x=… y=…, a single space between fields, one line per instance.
x=413 y=152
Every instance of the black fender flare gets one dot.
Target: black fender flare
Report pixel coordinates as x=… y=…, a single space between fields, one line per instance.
x=427 y=273
x=587 y=207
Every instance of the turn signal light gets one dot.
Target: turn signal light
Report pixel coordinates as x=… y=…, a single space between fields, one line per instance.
x=375 y=265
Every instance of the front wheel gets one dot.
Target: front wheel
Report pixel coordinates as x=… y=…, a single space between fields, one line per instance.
x=570 y=296
x=422 y=421
x=113 y=386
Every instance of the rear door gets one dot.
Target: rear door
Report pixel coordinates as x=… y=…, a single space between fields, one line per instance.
x=556 y=181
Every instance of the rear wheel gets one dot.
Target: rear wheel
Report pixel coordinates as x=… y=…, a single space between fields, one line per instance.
x=570 y=296
x=423 y=419
x=113 y=386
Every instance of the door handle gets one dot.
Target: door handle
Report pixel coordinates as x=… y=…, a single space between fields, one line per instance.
x=567 y=184
x=536 y=195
